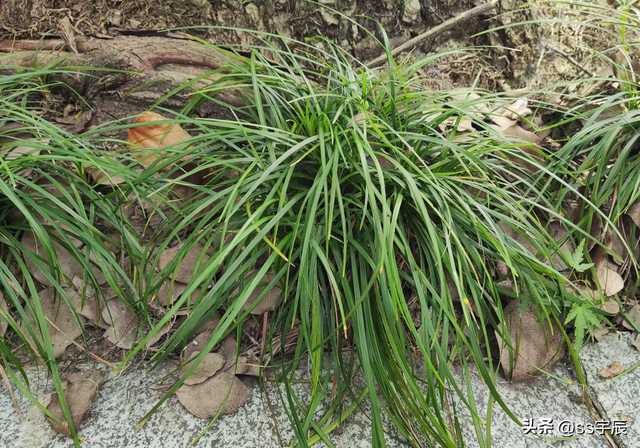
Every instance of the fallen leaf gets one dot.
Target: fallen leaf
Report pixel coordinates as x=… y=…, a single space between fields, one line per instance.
x=68 y=264
x=635 y=341
x=633 y=315
x=196 y=344
x=29 y=147
x=156 y=337
x=557 y=231
x=614 y=369
x=122 y=324
x=538 y=345
x=206 y=399
x=599 y=333
x=518 y=109
x=247 y=364
x=87 y=307
x=144 y=139
x=502 y=122
x=521 y=134
x=58 y=314
x=617 y=243
x=208 y=367
x=634 y=213
x=82 y=390
x=103 y=178
x=609 y=280
x=187 y=265
x=3 y=322
x=176 y=291
x=229 y=349
x=269 y=301
x=611 y=306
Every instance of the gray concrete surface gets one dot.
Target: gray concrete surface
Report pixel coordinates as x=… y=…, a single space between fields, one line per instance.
x=616 y=399
x=122 y=401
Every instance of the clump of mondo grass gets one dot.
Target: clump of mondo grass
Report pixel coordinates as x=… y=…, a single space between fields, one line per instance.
x=48 y=197
x=387 y=214
x=354 y=192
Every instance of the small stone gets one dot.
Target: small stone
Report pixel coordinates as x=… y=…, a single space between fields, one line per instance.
x=411 y=11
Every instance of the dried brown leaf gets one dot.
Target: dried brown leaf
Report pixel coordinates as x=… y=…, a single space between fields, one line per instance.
x=609 y=280
x=57 y=313
x=611 y=306
x=634 y=213
x=186 y=266
x=635 y=341
x=206 y=399
x=599 y=333
x=144 y=140
x=633 y=316
x=517 y=110
x=122 y=324
x=269 y=301
x=176 y=291
x=538 y=345
x=209 y=366
x=80 y=393
x=69 y=265
x=197 y=343
x=3 y=322
x=614 y=369
x=87 y=307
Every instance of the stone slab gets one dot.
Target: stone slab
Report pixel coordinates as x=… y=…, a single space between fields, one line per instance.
x=616 y=399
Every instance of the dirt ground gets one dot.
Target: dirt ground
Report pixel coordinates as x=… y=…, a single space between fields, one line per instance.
x=123 y=34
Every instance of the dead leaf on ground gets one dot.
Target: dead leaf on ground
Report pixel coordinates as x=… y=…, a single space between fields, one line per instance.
x=210 y=365
x=617 y=243
x=176 y=291
x=3 y=323
x=103 y=178
x=145 y=139
x=229 y=349
x=633 y=315
x=186 y=266
x=60 y=315
x=518 y=109
x=197 y=343
x=156 y=337
x=611 y=306
x=609 y=280
x=539 y=346
x=68 y=264
x=614 y=369
x=80 y=393
x=269 y=301
x=635 y=341
x=634 y=213
x=599 y=333
x=122 y=322
x=521 y=134
x=29 y=148
x=247 y=364
x=205 y=400
x=557 y=231
x=87 y=307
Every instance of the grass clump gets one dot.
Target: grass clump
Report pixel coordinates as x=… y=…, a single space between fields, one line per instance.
x=394 y=232
x=353 y=190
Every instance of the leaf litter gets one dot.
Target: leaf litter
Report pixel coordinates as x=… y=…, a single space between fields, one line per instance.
x=215 y=375
x=80 y=392
x=532 y=347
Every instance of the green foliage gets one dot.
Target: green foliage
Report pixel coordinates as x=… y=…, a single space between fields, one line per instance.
x=575 y=260
x=583 y=318
x=382 y=227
